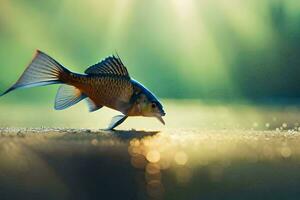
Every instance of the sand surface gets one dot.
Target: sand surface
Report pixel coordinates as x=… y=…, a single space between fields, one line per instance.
x=172 y=164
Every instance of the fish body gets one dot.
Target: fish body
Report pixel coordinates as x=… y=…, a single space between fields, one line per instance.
x=106 y=83
x=112 y=92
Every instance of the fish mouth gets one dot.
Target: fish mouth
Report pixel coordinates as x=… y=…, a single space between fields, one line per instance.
x=162 y=113
x=159 y=117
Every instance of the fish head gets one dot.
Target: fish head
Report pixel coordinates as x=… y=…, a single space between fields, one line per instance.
x=148 y=104
x=151 y=108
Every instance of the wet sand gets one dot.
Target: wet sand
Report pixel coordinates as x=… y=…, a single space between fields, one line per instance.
x=47 y=163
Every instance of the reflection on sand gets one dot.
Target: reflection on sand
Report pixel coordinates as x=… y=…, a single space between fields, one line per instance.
x=185 y=152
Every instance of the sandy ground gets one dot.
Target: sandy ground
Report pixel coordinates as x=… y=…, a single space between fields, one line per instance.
x=172 y=164
x=204 y=152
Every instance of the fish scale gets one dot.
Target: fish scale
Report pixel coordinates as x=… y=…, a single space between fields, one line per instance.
x=108 y=91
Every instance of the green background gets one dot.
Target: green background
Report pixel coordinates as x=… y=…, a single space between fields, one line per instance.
x=209 y=49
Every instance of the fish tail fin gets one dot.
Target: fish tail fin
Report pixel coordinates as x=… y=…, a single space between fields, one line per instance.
x=43 y=70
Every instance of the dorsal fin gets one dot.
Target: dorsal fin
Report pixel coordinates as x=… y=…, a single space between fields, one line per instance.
x=110 y=66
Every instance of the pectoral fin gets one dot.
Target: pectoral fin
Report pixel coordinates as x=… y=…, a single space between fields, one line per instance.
x=116 y=121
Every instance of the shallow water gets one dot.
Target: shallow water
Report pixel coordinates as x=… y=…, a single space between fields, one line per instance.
x=208 y=152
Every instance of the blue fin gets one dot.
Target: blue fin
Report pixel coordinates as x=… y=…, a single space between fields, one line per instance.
x=67 y=96
x=109 y=66
x=116 y=121
x=92 y=106
x=43 y=70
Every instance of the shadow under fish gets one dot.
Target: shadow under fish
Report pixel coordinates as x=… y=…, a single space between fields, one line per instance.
x=133 y=134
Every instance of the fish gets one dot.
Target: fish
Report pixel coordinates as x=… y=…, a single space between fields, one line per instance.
x=104 y=84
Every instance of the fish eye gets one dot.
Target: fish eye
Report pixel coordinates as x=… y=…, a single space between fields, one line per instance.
x=153 y=105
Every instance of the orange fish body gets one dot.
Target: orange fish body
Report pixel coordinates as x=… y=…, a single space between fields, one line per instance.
x=106 y=83
x=112 y=92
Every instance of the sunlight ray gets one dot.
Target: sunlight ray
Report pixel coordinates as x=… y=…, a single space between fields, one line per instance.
x=198 y=48
x=247 y=20
x=119 y=20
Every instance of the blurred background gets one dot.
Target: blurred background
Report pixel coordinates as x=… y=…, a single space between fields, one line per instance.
x=227 y=72
x=181 y=49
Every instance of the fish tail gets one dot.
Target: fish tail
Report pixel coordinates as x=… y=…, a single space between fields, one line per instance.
x=43 y=70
